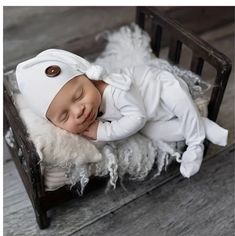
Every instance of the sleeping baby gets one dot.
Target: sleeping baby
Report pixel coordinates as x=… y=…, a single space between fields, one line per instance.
x=83 y=98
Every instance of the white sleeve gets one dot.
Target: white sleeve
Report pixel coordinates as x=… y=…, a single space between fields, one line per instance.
x=131 y=107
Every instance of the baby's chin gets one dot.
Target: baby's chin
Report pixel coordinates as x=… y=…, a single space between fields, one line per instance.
x=77 y=130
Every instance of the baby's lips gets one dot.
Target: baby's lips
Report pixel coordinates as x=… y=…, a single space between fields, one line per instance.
x=89 y=116
x=84 y=117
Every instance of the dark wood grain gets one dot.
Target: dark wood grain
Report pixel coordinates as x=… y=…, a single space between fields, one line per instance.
x=31 y=29
x=200 y=18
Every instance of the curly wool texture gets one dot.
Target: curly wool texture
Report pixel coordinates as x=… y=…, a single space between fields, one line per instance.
x=133 y=156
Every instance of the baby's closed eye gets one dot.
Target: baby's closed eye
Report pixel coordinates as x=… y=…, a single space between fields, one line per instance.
x=64 y=116
x=79 y=95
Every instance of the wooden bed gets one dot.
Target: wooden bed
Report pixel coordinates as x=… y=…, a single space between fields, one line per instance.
x=156 y=25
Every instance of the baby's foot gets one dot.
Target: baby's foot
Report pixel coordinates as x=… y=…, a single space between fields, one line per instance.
x=191 y=160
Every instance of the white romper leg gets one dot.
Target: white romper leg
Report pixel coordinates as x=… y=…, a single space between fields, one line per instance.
x=190 y=119
x=178 y=100
x=180 y=103
x=187 y=125
x=167 y=131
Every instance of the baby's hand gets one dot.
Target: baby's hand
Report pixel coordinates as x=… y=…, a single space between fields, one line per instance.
x=91 y=131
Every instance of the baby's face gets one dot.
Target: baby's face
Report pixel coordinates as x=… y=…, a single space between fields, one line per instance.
x=76 y=105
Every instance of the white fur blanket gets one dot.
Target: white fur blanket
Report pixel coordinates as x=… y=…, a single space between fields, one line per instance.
x=135 y=155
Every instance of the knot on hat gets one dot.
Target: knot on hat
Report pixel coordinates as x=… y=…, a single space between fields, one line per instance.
x=94 y=72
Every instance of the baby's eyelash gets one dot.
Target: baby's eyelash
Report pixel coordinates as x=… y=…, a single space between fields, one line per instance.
x=80 y=96
x=64 y=116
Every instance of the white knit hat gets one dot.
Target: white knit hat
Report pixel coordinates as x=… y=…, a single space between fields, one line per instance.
x=40 y=78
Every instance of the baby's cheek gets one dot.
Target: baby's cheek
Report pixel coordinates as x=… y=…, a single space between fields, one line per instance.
x=74 y=128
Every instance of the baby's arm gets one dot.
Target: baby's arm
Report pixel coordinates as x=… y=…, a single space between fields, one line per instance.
x=119 y=129
x=131 y=107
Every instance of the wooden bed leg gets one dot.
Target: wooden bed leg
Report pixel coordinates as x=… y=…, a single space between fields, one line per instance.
x=42 y=219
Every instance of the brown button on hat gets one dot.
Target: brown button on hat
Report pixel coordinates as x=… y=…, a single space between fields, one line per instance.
x=52 y=71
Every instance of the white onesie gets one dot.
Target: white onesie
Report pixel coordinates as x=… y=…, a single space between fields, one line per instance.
x=159 y=105
x=154 y=96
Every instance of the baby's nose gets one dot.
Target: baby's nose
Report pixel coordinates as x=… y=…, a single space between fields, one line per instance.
x=78 y=110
